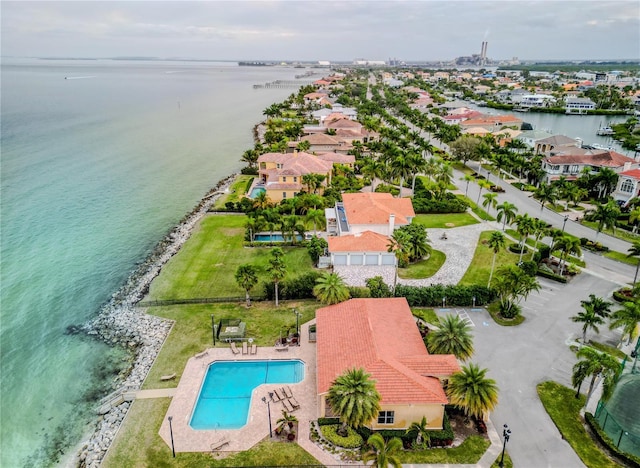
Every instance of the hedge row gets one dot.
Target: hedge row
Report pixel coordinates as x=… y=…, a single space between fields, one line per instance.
x=352 y=440
x=430 y=205
x=605 y=440
x=295 y=288
x=455 y=295
x=552 y=276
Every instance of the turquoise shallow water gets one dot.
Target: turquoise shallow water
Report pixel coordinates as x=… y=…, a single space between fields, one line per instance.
x=94 y=171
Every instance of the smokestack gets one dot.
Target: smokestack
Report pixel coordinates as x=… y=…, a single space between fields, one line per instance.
x=392 y=222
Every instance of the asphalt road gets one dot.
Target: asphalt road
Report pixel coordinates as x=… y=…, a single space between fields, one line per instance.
x=519 y=358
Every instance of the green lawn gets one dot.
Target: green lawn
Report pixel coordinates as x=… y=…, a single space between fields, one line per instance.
x=619 y=233
x=237 y=189
x=621 y=257
x=205 y=265
x=191 y=332
x=604 y=348
x=426 y=314
x=424 y=268
x=445 y=220
x=138 y=445
x=564 y=410
x=468 y=452
x=480 y=268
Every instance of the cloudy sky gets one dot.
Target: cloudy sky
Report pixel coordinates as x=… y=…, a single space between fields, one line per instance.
x=323 y=30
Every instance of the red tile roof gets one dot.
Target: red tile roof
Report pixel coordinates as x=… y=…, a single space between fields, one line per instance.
x=380 y=335
x=601 y=158
x=375 y=208
x=337 y=158
x=367 y=241
x=492 y=120
x=299 y=163
x=633 y=173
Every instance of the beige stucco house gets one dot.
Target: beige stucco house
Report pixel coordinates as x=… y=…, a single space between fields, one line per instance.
x=381 y=336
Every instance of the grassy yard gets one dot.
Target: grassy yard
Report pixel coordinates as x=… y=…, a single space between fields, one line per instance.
x=621 y=257
x=445 y=220
x=238 y=189
x=468 y=452
x=604 y=348
x=192 y=330
x=424 y=268
x=139 y=445
x=205 y=265
x=426 y=314
x=480 y=268
x=564 y=410
x=619 y=233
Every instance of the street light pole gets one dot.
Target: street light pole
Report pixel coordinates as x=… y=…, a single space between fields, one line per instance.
x=213 y=330
x=268 y=402
x=564 y=223
x=173 y=450
x=506 y=432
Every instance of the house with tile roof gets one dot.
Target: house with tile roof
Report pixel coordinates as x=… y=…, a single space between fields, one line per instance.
x=380 y=336
x=493 y=123
x=628 y=186
x=571 y=161
x=362 y=248
x=370 y=211
x=281 y=174
x=322 y=143
x=555 y=142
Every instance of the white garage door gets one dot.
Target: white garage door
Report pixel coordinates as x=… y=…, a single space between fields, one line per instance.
x=339 y=259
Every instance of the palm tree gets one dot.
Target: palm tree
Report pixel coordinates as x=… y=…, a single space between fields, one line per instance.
x=607 y=180
x=247 y=277
x=589 y=319
x=277 y=268
x=490 y=201
x=354 y=398
x=330 y=289
x=262 y=201
x=382 y=453
x=506 y=213
x=482 y=184
x=452 y=337
x=606 y=215
x=634 y=217
x=634 y=251
x=316 y=217
x=597 y=365
x=420 y=429
x=286 y=419
x=568 y=245
x=373 y=169
x=628 y=318
x=599 y=305
x=524 y=225
x=539 y=229
x=401 y=167
x=472 y=391
x=546 y=193
x=496 y=242
x=467 y=178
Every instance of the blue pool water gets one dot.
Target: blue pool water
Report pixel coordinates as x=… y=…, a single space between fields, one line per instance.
x=225 y=395
x=275 y=237
x=256 y=191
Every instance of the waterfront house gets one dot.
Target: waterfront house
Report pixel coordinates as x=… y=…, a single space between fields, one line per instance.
x=571 y=161
x=369 y=211
x=536 y=100
x=322 y=143
x=530 y=137
x=492 y=123
x=281 y=174
x=381 y=337
x=362 y=248
x=348 y=160
x=576 y=105
x=628 y=186
x=555 y=142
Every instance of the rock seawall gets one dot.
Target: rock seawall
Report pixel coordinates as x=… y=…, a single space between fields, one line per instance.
x=120 y=323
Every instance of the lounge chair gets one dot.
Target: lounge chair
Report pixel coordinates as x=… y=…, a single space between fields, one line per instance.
x=254 y=348
x=234 y=349
x=164 y=378
x=294 y=403
x=279 y=393
x=287 y=391
x=275 y=396
x=218 y=444
x=245 y=348
x=288 y=406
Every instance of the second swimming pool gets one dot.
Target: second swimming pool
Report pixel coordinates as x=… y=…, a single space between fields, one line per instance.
x=225 y=395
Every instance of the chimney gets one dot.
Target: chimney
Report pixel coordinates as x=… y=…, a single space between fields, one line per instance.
x=392 y=222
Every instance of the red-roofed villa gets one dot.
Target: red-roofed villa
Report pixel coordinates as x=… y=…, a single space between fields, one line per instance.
x=380 y=336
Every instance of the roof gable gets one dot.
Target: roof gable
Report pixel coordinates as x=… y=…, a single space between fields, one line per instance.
x=375 y=208
x=367 y=241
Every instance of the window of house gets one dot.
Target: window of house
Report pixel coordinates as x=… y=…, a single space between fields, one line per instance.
x=626 y=186
x=295 y=179
x=574 y=168
x=284 y=195
x=386 y=417
x=284 y=178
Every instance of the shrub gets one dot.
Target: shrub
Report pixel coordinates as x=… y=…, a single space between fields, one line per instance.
x=378 y=287
x=543 y=252
x=546 y=272
x=384 y=188
x=352 y=440
x=443 y=437
x=623 y=295
x=358 y=292
x=509 y=310
x=515 y=248
x=249 y=170
x=529 y=267
x=295 y=288
x=328 y=421
x=446 y=205
x=456 y=295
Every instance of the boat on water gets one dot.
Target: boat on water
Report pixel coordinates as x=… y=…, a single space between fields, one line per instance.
x=605 y=131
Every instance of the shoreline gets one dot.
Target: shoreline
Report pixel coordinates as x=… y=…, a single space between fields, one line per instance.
x=120 y=322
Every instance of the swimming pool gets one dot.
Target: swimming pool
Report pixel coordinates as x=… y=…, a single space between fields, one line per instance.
x=274 y=237
x=225 y=395
x=256 y=191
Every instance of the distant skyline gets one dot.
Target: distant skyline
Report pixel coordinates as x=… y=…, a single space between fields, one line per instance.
x=312 y=30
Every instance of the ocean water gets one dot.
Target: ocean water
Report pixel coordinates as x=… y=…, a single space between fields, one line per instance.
x=95 y=169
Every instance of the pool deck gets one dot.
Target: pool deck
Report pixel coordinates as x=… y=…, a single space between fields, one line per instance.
x=186 y=439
